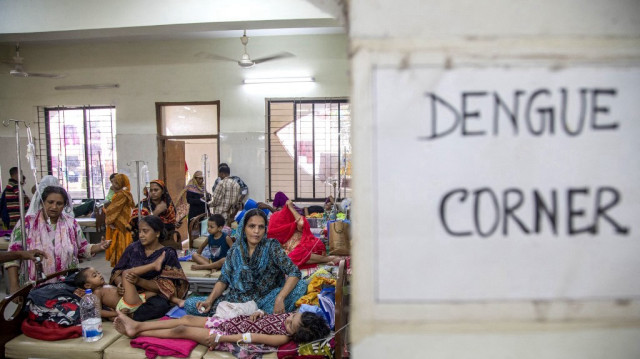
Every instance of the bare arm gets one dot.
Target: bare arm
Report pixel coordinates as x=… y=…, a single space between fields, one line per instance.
x=201 y=248
x=272 y=340
x=262 y=205
x=278 y=306
x=217 y=291
x=161 y=207
x=297 y=217
x=31 y=255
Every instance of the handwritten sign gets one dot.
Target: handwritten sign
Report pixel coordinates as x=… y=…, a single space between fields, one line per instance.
x=503 y=184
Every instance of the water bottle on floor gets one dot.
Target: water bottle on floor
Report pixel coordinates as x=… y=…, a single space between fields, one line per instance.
x=90 y=316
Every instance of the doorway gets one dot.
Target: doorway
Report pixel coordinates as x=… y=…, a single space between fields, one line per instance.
x=186 y=132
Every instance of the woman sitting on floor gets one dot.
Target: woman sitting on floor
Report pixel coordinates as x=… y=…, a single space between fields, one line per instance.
x=294 y=233
x=256 y=269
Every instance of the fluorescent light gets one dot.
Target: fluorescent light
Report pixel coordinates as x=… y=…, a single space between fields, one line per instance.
x=278 y=80
x=87 y=87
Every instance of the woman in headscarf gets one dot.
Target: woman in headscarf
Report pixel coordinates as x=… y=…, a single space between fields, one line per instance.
x=190 y=201
x=157 y=203
x=117 y=218
x=294 y=234
x=256 y=269
x=45 y=182
x=50 y=228
x=279 y=202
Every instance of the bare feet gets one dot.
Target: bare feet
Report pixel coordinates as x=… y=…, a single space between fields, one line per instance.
x=177 y=301
x=125 y=325
x=158 y=262
x=197 y=267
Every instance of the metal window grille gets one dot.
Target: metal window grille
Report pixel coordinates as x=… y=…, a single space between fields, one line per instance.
x=77 y=145
x=309 y=148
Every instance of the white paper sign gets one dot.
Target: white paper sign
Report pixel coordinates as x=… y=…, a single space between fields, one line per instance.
x=503 y=184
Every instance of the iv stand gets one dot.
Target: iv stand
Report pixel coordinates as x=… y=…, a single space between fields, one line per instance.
x=205 y=173
x=137 y=162
x=20 y=193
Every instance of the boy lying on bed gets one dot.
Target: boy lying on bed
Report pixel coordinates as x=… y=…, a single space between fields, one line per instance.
x=130 y=301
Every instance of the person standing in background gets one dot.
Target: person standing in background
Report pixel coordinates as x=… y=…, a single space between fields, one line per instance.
x=117 y=218
x=244 y=189
x=10 y=200
x=226 y=195
x=190 y=201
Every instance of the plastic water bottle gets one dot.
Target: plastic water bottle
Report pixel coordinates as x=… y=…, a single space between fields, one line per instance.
x=90 y=316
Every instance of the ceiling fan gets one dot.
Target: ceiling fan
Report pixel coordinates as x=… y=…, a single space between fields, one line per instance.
x=18 y=69
x=245 y=61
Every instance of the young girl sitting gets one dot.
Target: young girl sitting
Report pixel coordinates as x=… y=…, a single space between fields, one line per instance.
x=212 y=253
x=89 y=278
x=258 y=328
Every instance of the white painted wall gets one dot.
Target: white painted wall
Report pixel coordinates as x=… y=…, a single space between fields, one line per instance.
x=168 y=71
x=442 y=35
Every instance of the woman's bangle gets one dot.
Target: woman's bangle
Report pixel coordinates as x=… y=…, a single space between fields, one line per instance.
x=217 y=340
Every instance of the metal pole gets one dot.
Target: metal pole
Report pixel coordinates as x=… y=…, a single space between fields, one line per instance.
x=21 y=198
x=205 y=174
x=138 y=180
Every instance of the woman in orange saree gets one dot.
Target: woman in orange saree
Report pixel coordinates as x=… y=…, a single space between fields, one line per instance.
x=117 y=218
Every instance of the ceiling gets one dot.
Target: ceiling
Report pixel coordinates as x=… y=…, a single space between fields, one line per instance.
x=63 y=21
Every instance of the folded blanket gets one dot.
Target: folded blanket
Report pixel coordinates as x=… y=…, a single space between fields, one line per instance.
x=49 y=330
x=179 y=348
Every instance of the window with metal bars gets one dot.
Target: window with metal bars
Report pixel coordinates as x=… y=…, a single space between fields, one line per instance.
x=309 y=148
x=77 y=145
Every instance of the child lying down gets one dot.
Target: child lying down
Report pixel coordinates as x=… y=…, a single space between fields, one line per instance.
x=258 y=328
x=131 y=300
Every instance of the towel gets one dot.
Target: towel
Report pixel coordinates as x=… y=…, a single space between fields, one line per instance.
x=179 y=348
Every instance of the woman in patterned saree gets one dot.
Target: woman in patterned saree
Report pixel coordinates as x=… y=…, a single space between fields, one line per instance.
x=51 y=229
x=157 y=203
